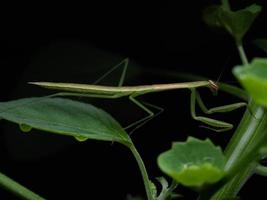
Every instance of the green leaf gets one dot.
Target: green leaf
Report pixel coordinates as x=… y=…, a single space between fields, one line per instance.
x=253 y=77
x=211 y=15
x=237 y=23
x=63 y=116
x=194 y=163
x=153 y=189
x=166 y=192
x=261 y=43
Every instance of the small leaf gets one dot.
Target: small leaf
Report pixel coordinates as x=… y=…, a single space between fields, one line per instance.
x=211 y=15
x=153 y=189
x=253 y=77
x=164 y=183
x=261 y=43
x=64 y=116
x=237 y=23
x=166 y=190
x=194 y=163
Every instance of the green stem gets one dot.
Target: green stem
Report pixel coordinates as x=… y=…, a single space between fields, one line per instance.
x=261 y=170
x=247 y=131
x=242 y=53
x=234 y=91
x=143 y=171
x=225 y=4
x=242 y=152
x=19 y=190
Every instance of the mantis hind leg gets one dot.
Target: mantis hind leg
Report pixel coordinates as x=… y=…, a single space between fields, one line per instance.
x=141 y=105
x=125 y=63
x=213 y=124
x=144 y=120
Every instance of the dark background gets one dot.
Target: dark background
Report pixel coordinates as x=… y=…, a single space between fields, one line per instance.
x=78 y=43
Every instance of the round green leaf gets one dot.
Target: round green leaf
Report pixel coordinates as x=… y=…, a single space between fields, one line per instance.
x=253 y=78
x=194 y=163
x=64 y=116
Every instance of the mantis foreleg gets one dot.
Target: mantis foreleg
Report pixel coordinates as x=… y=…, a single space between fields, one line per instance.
x=219 y=109
x=216 y=125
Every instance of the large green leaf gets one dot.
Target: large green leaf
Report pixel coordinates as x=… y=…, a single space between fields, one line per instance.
x=63 y=116
x=194 y=163
x=253 y=78
x=237 y=23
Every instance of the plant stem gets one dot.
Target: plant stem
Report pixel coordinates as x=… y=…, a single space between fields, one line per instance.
x=242 y=152
x=226 y=4
x=19 y=190
x=261 y=170
x=143 y=171
x=242 y=53
x=247 y=131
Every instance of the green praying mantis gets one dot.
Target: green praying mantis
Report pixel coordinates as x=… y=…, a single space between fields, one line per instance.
x=112 y=92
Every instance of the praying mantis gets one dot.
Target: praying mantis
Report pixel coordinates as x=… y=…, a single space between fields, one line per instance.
x=113 y=92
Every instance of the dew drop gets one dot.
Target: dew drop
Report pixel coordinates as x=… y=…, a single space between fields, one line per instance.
x=81 y=138
x=25 y=128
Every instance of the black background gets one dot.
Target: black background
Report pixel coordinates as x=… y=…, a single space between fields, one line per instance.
x=74 y=43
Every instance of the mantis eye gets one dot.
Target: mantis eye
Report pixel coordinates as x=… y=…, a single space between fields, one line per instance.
x=213 y=86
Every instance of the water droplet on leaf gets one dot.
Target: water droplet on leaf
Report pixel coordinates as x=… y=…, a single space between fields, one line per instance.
x=81 y=138
x=25 y=128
